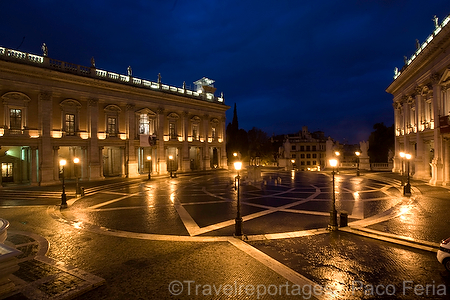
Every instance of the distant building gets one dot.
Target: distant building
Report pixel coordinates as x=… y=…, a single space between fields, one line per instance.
x=117 y=125
x=422 y=108
x=303 y=151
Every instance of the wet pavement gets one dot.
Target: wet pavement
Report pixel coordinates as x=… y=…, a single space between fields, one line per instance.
x=141 y=236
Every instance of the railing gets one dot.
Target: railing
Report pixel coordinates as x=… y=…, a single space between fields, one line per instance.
x=381 y=166
x=10 y=54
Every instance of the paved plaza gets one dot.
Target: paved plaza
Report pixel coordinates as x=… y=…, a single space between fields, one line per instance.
x=173 y=237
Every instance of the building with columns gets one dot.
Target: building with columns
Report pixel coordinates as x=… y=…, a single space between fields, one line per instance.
x=422 y=108
x=117 y=125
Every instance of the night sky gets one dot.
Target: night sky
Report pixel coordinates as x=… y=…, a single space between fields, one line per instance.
x=286 y=64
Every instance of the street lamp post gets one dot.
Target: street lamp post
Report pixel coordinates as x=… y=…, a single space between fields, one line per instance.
x=76 y=160
x=407 y=188
x=357 y=164
x=333 y=213
x=62 y=163
x=149 y=160
x=238 y=220
x=337 y=153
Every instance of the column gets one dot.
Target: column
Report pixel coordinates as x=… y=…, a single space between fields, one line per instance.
x=162 y=164
x=436 y=164
x=223 y=150
x=397 y=125
x=420 y=170
x=131 y=160
x=34 y=167
x=95 y=172
x=185 y=164
x=46 y=160
x=206 y=158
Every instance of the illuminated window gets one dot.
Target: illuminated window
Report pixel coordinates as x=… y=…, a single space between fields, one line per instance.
x=70 y=124
x=112 y=126
x=195 y=135
x=144 y=125
x=15 y=119
x=172 y=131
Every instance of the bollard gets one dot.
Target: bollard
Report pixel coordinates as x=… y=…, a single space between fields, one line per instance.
x=343 y=219
x=82 y=191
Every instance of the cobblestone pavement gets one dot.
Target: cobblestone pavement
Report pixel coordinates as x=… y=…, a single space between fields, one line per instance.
x=179 y=232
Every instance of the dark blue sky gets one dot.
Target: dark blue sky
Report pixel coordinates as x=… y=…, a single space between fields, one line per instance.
x=286 y=64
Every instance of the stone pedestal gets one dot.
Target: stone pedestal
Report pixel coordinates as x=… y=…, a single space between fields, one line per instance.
x=254 y=173
x=8 y=260
x=3 y=230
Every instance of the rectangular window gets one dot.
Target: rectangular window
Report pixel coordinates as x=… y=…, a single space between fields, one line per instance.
x=195 y=132
x=302 y=148
x=144 y=124
x=293 y=148
x=308 y=155
x=172 y=131
x=314 y=155
x=70 y=124
x=294 y=156
x=308 y=148
x=302 y=155
x=314 y=148
x=314 y=162
x=112 y=126
x=15 y=119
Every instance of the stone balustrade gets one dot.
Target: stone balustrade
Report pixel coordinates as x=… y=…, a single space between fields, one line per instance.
x=18 y=56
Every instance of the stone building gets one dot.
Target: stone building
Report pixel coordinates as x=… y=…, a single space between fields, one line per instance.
x=304 y=151
x=422 y=108
x=116 y=125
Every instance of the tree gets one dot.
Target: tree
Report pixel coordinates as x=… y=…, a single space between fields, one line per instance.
x=259 y=145
x=380 y=142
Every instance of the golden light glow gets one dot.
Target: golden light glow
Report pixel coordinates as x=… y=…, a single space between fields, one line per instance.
x=408 y=156
x=333 y=162
x=170 y=157
x=33 y=133
x=358 y=153
x=76 y=160
x=62 y=162
x=238 y=165
x=337 y=153
x=149 y=157
x=402 y=154
x=234 y=154
x=56 y=134
x=101 y=135
x=84 y=135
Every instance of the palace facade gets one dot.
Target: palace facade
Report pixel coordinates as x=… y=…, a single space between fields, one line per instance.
x=422 y=108
x=116 y=125
x=303 y=151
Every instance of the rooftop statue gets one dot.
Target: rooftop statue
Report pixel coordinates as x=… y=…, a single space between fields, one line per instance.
x=44 y=49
